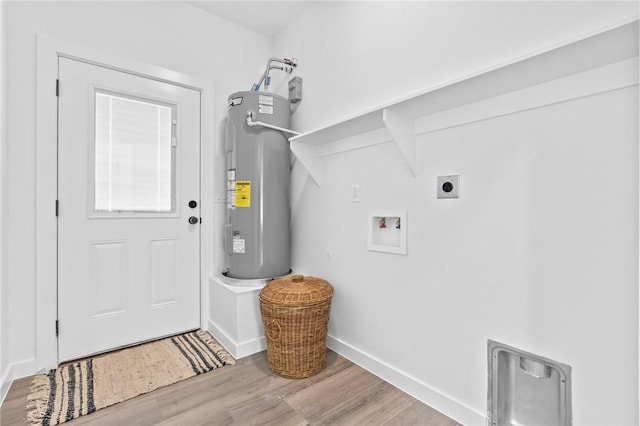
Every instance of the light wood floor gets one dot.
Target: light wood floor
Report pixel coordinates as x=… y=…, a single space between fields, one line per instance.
x=250 y=394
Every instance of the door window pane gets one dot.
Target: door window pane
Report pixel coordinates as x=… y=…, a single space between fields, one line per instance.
x=134 y=155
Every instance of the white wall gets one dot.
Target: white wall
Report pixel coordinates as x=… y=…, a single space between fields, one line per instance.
x=513 y=260
x=173 y=35
x=540 y=251
x=354 y=56
x=3 y=140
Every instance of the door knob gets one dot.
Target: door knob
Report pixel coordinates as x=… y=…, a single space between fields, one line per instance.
x=193 y=220
x=193 y=204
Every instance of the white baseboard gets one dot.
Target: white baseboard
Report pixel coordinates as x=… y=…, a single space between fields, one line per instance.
x=5 y=383
x=237 y=349
x=16 y=370
x=25 y=368
x=414 y=387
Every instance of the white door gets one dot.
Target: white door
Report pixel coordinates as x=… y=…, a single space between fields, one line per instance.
x=128 y=179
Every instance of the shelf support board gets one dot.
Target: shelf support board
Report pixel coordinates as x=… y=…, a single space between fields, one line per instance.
x=308 y=155
x=401 y=128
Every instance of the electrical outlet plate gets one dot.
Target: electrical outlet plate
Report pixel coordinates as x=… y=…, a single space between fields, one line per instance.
x=355 y=193
x=448 y=186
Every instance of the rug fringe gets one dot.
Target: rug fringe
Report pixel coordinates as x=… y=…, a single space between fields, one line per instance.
x=220 y=351
x=38 y=399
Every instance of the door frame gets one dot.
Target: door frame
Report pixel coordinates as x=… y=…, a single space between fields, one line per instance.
x=46 y=224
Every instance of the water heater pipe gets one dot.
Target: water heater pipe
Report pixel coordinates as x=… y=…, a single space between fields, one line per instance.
x=252 y=123
x=292 y=63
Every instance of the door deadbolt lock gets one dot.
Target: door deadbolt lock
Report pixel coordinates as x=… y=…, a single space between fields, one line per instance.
x=193 y=220
x=193 y=204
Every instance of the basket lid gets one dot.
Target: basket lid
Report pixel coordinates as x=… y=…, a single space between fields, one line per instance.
x=296 y=290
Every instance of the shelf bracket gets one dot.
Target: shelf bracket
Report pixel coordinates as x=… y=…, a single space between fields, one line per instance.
x=308 y=155
x=401 y=128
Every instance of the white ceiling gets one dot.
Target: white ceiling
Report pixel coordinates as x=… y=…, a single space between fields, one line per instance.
x=264 y=17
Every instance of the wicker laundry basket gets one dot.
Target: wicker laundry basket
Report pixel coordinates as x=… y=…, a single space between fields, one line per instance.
x=295 y=314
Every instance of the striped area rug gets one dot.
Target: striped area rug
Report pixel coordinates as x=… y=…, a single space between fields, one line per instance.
x=81 y=387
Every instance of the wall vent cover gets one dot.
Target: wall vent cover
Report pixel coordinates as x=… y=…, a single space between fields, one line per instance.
x=526 y=389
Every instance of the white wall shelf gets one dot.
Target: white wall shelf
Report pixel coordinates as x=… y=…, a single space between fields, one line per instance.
x=399 y=128
x=567 y=71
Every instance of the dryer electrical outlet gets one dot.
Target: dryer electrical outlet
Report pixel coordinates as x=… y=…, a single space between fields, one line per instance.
x=448 y=186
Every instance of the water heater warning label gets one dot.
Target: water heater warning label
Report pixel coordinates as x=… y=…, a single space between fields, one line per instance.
x=265 y=104
x=265 y=100
x=238 y=245
x=243 y=193
x=265 y=109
